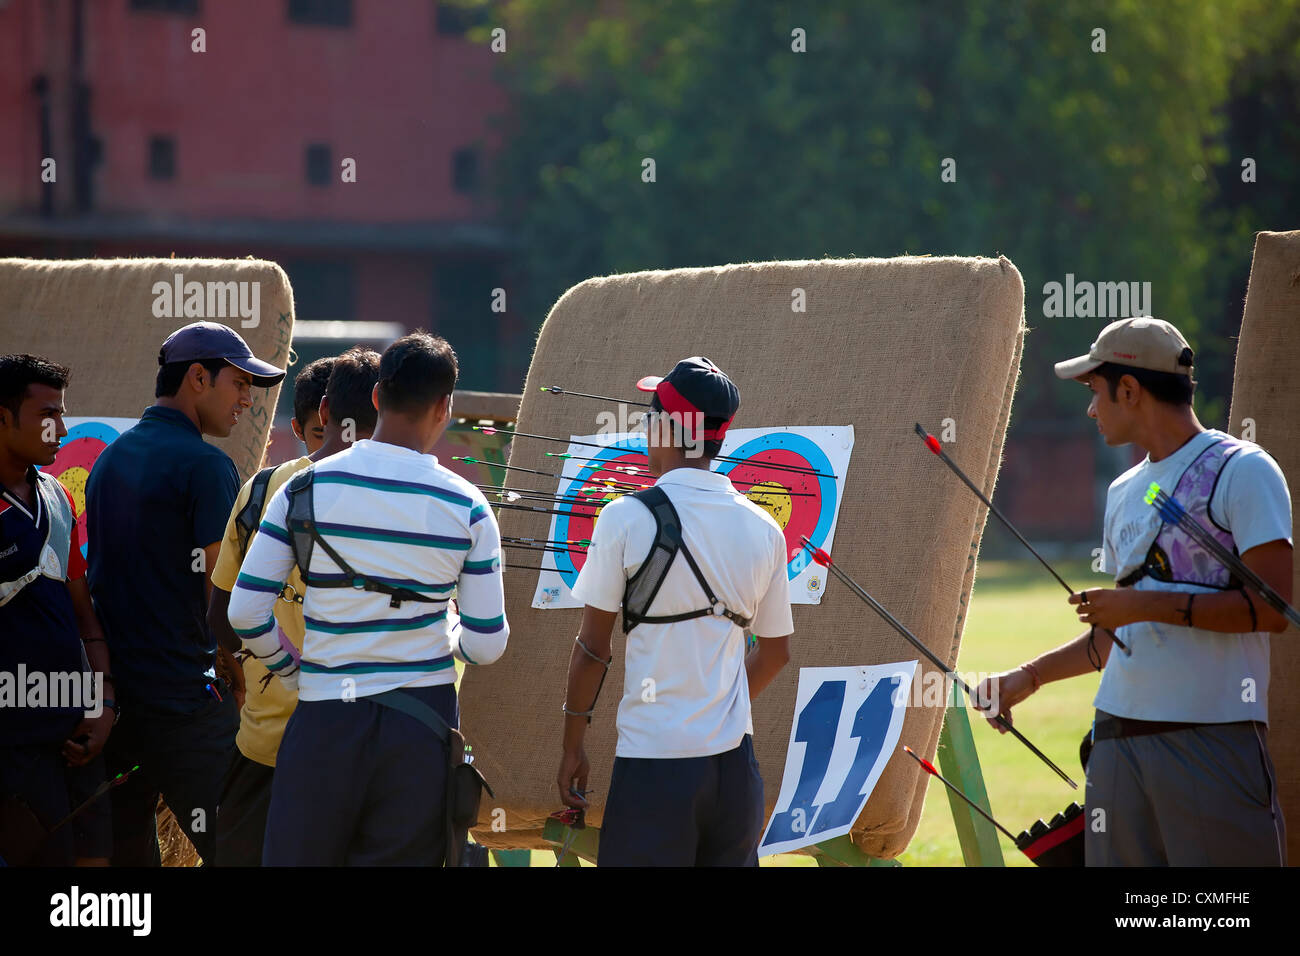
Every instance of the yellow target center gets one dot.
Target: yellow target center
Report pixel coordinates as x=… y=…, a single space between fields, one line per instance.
x=772 y=498
x=74 y=479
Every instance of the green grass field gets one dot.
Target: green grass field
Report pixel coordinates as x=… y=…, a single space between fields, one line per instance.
x=1017 y=612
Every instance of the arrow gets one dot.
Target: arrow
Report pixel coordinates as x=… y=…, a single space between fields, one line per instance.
x=630 y=469
x=545 y=511
x=493 y=430
x=929 y=768
x=99 y=791
x=556 y=390
x=511 y=493
x=582 y=542
x=1174 y=513
x=548 y=474
x=932 y=443
x=543 y=547
x=824 y=559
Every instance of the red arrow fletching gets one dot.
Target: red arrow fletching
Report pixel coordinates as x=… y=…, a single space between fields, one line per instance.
x=820 y=556
x=932 y=443
x=929 y=767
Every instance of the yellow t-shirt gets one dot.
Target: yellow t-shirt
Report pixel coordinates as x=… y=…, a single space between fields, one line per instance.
x=266 y=711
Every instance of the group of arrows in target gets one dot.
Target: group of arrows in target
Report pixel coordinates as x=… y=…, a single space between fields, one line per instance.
x=633 y=478
x=598 y=491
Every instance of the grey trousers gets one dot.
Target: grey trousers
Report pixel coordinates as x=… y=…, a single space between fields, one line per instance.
x=1203 y=796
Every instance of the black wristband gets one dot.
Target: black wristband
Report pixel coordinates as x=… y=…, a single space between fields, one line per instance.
x=1250 y=603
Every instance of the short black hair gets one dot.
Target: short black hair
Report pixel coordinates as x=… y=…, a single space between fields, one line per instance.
x=415 y=372
x=172 y=374
x=20 y=369
x=351 y=383
x=1169 y=387
x=308 y=387
x=710 y=447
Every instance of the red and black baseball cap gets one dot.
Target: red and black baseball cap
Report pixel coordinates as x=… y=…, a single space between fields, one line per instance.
x=695 y=386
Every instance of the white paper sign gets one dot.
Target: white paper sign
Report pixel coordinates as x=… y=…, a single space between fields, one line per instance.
x=847 y=721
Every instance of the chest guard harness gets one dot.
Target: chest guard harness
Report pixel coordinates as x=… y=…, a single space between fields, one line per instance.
x=1174 y=555
x=304 y=534
x=642 y=587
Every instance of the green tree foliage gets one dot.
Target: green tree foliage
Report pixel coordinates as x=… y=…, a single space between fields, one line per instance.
x=1099 y=164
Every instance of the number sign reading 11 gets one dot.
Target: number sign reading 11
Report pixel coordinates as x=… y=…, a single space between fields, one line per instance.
x=847 y=721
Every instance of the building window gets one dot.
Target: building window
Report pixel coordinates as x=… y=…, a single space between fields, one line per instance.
x=323 y=289
x=465 y=170
x=318 y=164
x=321 y=13
x=455 y=21
x=184 y=7
x=462 y=313
x=162 y=157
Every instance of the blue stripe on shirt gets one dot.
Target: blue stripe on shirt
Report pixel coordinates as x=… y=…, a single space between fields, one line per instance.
x=483 y=625
x=446 y=542
x=275 y=531
x=255 y=631
x=404 y=582
x=250 y=583
x=372 y=667
x=384 y=624
x=486 y=566
x=389 y=484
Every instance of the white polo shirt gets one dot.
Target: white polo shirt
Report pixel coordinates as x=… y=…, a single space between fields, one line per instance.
x=685 y=693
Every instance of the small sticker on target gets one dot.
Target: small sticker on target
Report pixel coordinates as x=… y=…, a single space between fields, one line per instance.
x=814 y=584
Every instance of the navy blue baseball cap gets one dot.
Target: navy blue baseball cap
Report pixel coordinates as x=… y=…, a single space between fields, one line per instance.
x=212 y=340
x=695 y=386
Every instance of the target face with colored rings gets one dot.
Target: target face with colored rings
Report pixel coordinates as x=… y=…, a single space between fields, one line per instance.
x=802 y=502
x=86 y=440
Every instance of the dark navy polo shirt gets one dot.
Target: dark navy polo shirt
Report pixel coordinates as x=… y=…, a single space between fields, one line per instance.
x=155 y=495
x=38 y=627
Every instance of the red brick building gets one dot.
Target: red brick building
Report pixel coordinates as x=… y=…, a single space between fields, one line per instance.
x=233 y=141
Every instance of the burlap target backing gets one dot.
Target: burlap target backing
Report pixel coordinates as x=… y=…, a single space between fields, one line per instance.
x=1266 y=391
x=884 y=343
x=97 y=316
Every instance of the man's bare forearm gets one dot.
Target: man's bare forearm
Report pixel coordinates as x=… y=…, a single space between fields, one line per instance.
x=1071 y=659
x=765 y=661
x=219 y=623
x=584 y=678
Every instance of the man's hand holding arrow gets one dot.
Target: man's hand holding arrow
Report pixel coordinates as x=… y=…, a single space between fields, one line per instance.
x=1005 y=691
x=1110 y=608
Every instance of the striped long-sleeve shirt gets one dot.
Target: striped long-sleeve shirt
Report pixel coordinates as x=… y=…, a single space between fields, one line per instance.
x=398 y=516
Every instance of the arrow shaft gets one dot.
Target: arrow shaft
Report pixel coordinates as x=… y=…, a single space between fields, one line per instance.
x=543 y=547
x=953 y=787
x=545 y=511
x=557 y=390
x=636 y=451
x=1006 y=522
x=551 y=474
x=912 y=639
x=1229 y=560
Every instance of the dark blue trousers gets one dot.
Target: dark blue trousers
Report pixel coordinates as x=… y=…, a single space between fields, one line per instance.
x=241 y=815
x=360 y=784
x=688 y=811
x=40 y=777
x=181 y=756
